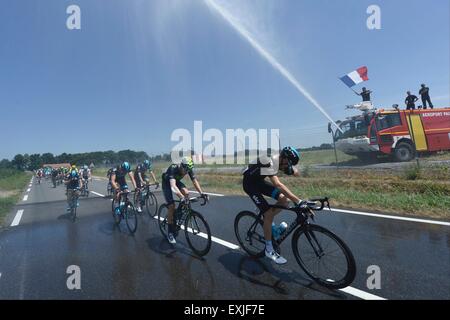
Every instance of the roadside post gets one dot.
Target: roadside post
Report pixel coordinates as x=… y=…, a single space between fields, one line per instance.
x=330 y=130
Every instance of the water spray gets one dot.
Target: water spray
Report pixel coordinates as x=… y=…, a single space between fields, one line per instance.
x=264 y=53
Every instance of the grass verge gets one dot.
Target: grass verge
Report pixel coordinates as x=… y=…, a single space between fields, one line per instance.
x=388 y=192
x=12 y=183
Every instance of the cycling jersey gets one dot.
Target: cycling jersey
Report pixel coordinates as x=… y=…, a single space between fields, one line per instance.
x=142 y=170
x=173 y=172
x=120 y=177
x=255 y=185
x=85 y=173
x=74 y=182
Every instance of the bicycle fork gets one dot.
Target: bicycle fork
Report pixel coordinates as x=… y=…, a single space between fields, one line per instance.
x=312 y=239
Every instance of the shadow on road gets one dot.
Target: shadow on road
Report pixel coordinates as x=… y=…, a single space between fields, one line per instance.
x=277 y=278
x=161 y=246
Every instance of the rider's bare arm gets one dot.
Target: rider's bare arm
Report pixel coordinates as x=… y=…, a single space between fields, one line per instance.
x=113 y=181
x=284 y=190
x=174 y=188
x=197 y=186
x=132 y=179
x=153 y=177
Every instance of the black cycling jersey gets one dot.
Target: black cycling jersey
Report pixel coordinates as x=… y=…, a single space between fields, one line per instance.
x=120 y=175
x=260 y=169
x=74 y=182
x=140 y=168
x=174 y=172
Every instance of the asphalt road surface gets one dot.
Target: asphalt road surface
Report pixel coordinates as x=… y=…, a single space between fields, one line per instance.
x=41 y=243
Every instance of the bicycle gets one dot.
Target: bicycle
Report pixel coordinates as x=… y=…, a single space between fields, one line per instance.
x=198 y=239
x=309 y=242
x=85 y=190
x=127 y=212
x=73 y=201
x=147 y=197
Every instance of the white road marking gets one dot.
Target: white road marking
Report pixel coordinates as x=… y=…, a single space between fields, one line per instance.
x=392 y=217
x=96 y=193
x=29 y=189
x=349 y=290
x=29 y=185
x=361 y=294
x=210 y=194
x=25 y=198
x=17 y=218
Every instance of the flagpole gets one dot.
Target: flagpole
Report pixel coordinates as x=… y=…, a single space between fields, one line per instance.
x=349 y=87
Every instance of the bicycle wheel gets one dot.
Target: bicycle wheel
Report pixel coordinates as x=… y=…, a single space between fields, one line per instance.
x=162 y=219
x=198 y=234
x=117 y=217
x=250 y=233
x=136 y=201
x=130 y=215
x=324 y=256
x=151 y=204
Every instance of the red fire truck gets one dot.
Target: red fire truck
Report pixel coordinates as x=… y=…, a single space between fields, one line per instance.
x=400 y=133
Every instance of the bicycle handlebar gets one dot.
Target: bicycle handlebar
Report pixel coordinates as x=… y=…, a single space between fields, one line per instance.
x=323 y=202
x=311 y=204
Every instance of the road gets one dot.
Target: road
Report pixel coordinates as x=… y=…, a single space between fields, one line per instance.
x=413 y=257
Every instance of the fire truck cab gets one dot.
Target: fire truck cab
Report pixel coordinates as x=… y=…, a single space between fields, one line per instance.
x=399 y=133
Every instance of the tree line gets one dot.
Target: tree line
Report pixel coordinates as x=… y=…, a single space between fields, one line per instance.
x=99 y=159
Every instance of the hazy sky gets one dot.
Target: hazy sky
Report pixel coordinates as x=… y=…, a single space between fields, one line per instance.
x=137 y=70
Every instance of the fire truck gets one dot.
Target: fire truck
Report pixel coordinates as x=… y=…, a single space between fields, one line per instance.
x=397 y=133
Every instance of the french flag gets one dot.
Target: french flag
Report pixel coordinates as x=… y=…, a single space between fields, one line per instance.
x=355 y=77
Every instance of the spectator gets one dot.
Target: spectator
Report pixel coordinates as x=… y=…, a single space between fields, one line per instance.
x=410 y=101
x=365 y=94
x=425 y=93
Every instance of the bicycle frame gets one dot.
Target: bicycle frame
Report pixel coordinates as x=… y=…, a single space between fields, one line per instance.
x=300 y=221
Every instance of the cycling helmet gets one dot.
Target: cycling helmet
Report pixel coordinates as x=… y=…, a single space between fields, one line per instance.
x=187 y=163
x=73 y=173
x=291 y=154
x=85 y=167
x=126 y=166
x=147 y=164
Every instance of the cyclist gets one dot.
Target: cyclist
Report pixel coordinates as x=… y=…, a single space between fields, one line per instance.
x=109 y=173
x=86 y=174
x=73 y=184
x=256 y=187
x=119 y=182
x=171 y=182
x=141 y=178
x=54 y=176
x=39 y=175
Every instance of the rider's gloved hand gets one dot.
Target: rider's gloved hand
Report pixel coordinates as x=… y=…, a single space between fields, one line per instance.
x=205 y=196
x=157 y=185
x=185 y=200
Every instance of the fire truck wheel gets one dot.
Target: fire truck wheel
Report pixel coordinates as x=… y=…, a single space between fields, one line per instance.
x=404 y=152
